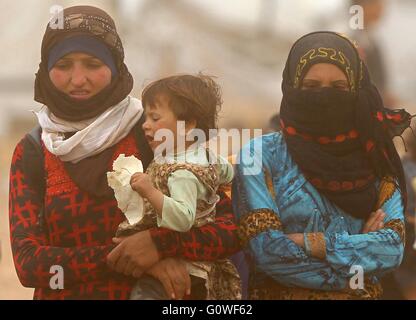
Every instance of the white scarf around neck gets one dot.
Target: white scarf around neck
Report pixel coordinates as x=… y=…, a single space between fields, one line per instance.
x=93 y=135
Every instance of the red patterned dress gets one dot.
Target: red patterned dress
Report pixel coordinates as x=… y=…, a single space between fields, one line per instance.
x=77 y=230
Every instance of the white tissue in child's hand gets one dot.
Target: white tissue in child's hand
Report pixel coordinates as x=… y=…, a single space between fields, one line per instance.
x=128 y=200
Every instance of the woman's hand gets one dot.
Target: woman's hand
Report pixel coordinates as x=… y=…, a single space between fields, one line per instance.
x=133 y=255
x=374 y=222
x=173 y=275
x=141 y=183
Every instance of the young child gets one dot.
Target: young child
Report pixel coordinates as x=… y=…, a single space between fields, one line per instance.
x=180 y=185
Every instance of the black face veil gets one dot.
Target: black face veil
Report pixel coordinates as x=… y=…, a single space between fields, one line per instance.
x=342 y=141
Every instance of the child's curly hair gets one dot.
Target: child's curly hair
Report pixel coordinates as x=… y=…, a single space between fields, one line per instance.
x=191 y=97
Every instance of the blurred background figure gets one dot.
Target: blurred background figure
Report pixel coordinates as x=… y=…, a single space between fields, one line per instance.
x=400 y=284
x=406 y=274
x=369 y=47
x=373 y=55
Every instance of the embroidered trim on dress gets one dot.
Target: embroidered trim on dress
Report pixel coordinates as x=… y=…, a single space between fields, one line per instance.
x=258 y=221
x=58 y=180
x=317 y=245
x=272 y=290
x=386 y=191
x=397 y=225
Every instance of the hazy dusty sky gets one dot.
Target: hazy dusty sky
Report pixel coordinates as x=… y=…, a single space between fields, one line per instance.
x=296 y=17
x=247 y=11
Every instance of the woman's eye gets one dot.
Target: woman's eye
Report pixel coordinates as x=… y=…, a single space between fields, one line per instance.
x=94 y=65
x=309 y=86
x=341 y=87
x=62 y=66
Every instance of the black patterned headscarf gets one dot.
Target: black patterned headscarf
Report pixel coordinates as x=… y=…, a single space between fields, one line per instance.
x=341 y=141
x=83 y=21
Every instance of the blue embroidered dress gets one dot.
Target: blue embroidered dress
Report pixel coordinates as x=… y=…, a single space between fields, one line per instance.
x=272 y=198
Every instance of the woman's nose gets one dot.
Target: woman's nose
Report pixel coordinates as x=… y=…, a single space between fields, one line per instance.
x=78 y=76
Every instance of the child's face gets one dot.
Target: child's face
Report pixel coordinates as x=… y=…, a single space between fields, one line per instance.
x=159 y=116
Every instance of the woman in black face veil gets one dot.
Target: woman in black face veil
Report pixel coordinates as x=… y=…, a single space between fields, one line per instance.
x=330 y=194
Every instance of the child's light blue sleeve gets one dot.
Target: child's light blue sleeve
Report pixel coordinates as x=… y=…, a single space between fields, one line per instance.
x=179 y=210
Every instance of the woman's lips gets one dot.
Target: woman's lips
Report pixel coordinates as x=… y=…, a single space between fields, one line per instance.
x=80 y=94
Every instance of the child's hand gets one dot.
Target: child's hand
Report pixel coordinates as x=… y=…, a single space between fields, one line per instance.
x=141 y=183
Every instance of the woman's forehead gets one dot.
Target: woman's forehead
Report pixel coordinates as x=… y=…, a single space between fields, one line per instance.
x=326 y=70
x=79 y=55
